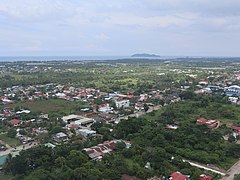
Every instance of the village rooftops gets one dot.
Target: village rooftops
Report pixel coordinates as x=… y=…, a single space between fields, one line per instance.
x=97 y=152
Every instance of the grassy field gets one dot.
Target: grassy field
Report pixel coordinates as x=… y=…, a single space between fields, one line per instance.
x=154 y=116
x=9 y=141
x=5 y=177
x=48 y=106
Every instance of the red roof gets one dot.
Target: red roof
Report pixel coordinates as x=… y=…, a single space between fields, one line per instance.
x=139 y=105
x=104 y=105
x=89 y=113
x=209 y=123
x=6 y=113
x=73 y=126
x=84 y=94
x=90 y=151
x=178 y=176
x=14 y=121
x=235 y=128
x=102 y=149
x=205 y=177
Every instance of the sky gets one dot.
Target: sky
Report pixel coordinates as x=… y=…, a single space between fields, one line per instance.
x=119 y=27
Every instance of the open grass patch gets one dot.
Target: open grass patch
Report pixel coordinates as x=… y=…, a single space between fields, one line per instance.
x=48 y=106
x=9 y=141
x=5 y=176
x=228 y=163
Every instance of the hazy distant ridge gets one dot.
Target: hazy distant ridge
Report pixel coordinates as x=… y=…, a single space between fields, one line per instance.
x=145 y=55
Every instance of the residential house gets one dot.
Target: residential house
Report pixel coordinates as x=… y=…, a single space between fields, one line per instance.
x=86 y=133
x=104 y=108
x=178 y=176
x=205 y=177
x=97 y=152
x=143 y=97
x=233 y=90
x=203 y=82
x=15 y=122
x=139 y=106
x=210 y=123
x=60 y=137
x=235 y=129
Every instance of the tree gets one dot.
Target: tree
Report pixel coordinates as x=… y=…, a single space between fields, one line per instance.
x=236 y=177
x=145 y=106
x=40 y=174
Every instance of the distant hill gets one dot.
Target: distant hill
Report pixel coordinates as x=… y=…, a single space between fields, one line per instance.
x=145 y=55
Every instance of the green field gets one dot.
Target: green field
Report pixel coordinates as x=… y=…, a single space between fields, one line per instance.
x=5 y=177
x=8 y=140
x=48 y=106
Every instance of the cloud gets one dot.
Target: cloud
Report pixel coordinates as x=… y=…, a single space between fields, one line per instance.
x=93 y=26
x=102 y=36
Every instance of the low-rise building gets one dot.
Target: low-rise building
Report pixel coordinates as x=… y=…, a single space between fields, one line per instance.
x=77 y=119
x=86 y=132
x=60 y=137
x=104 y=108
x=124 y=103
x=15 y=122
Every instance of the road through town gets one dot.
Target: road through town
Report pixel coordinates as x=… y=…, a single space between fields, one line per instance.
x=18 y=148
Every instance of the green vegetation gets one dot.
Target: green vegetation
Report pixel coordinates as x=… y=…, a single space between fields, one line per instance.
x=5 y=176
x=48 y=106
x=10 y=141
x=152 y=142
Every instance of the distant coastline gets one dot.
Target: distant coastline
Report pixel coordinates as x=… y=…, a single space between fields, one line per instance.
x=106 y=58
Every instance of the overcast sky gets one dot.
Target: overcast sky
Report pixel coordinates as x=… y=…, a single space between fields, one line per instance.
x=120 y=27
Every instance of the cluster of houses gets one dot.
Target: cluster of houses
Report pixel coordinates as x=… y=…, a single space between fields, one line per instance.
x=228 y=88
x=107 y=147
x=77 y=123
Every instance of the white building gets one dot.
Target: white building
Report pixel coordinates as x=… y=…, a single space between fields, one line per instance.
x=86 y=132
x=104 y=108
x=60 y=137
x=122 y=103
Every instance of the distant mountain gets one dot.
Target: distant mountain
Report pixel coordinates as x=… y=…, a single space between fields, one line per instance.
x=145 y=55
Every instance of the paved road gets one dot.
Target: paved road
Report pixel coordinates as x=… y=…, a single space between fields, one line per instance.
x=206 y=167
x=235 y=169
x=18 y=148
